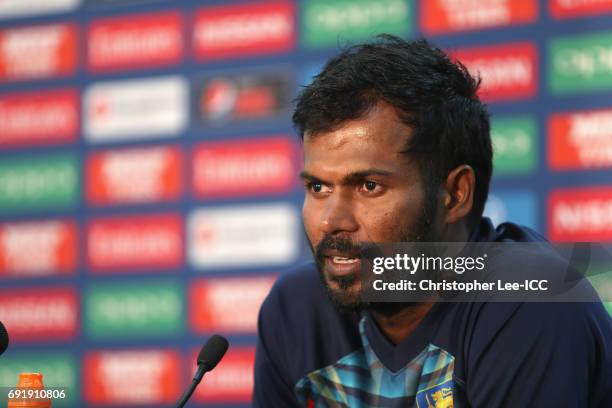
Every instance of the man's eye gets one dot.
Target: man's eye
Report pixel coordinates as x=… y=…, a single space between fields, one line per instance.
x=316 y=187
x=370 y=186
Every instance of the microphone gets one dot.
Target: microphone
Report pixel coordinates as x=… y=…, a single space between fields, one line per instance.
x=211 y=353
x=4 y=339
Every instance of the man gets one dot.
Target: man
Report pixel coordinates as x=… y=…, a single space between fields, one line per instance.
x=397 y=149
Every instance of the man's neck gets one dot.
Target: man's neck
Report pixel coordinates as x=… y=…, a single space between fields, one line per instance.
x=396 y=320
x=399 y=324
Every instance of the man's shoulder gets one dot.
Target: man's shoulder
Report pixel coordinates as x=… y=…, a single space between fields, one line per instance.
x=299 y=284
x=303 y=274
x=298 y=307
x=508 y=325
x=542 y=315
x=297 y=295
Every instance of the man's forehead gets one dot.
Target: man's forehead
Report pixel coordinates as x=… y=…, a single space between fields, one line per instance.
x=378 y=131
x=350 y=134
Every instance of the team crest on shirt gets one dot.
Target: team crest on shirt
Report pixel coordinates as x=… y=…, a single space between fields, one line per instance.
x=438 y=396
x=360 y=379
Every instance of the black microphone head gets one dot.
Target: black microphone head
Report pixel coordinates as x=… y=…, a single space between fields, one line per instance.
x=213 y=351
x=4 y=338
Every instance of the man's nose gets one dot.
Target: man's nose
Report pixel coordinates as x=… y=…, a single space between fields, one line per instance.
x=338 y=215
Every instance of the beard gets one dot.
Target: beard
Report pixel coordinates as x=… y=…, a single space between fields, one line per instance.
x=345 y=292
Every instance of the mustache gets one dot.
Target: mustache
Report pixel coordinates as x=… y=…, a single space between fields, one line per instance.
x=342 y=244
x=339 y=243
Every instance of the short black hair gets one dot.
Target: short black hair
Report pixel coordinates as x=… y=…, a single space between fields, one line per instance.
x=435 y=96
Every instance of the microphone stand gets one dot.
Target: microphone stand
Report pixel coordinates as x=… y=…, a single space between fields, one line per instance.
x=202 y=369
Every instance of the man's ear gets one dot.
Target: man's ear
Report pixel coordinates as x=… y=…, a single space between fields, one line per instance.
x=459 y=193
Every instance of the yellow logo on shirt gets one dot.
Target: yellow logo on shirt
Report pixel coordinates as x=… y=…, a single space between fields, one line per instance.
x=439 y=396
x=441 y=399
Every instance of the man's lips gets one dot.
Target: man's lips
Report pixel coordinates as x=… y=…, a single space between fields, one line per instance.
x=342 y=254
x=342 y=265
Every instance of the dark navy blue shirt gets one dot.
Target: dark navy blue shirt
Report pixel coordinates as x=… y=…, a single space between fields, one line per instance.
x=461 y=354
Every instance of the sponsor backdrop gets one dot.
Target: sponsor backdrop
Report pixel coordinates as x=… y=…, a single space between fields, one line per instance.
x=148 y=189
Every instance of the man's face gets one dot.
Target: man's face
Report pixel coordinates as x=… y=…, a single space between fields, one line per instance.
x=361 y=188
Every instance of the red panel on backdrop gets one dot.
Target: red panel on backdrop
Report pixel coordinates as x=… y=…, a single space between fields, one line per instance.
x=135 y=41
x=37 y=248
x=244 y=29
x=40 y=314
x=580 y=215
x=210 y=300
x=38 y=51
x=231 y=381
x=132 y=377
x=443 y=16
x=508 y=71
x=561 y=9
x=41 y=117
x=580 y=140
x=259 y=166
x=132 y=176
x=139 y=242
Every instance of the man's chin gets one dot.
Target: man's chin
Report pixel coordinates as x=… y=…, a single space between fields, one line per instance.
x=346 y=297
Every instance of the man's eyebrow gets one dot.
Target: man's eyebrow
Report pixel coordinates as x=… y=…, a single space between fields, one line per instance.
x=304 y=175
x=351 y=177
x=357 y=176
